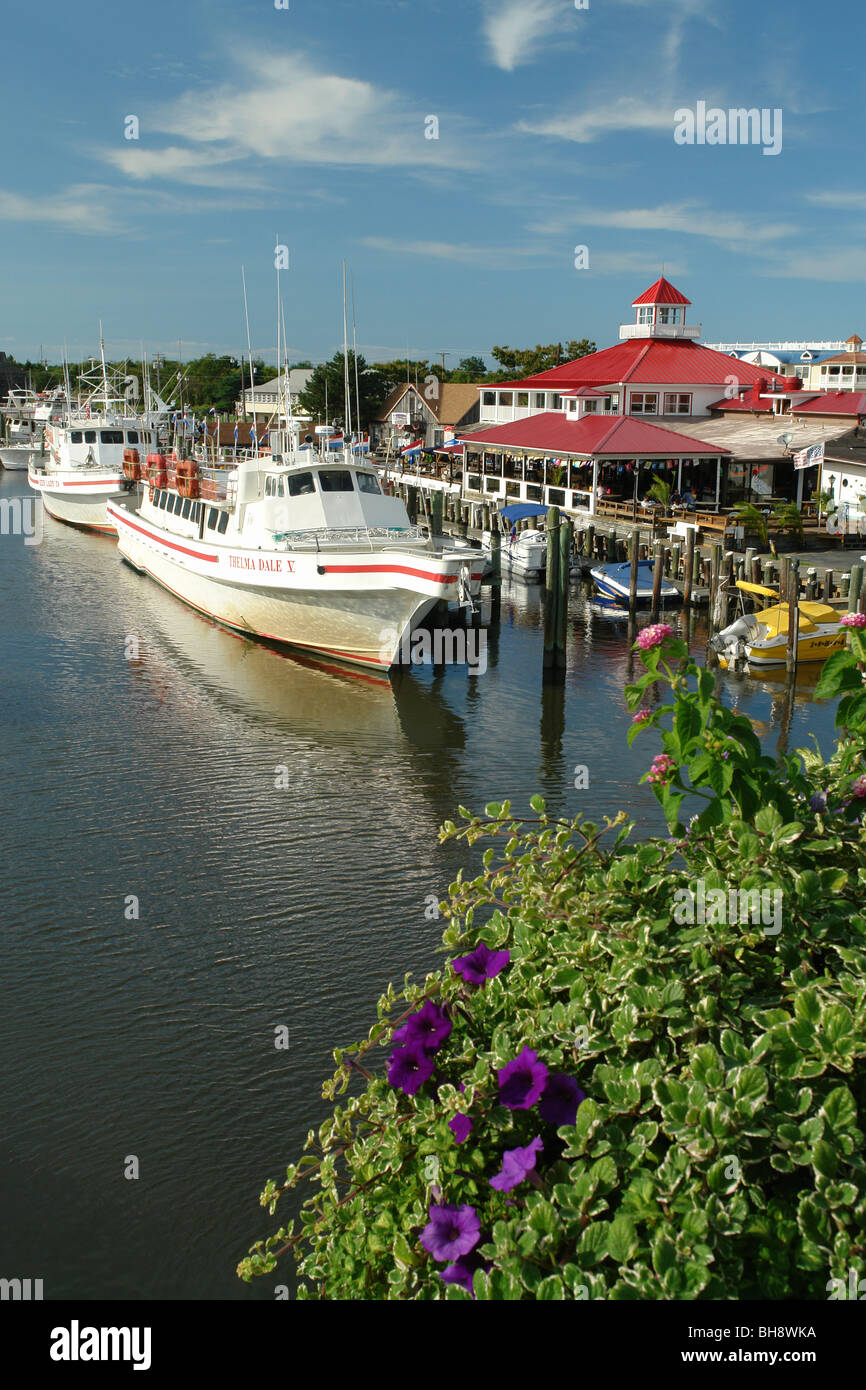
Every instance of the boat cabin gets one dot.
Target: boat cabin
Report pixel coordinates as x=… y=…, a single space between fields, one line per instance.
x=98 y=443
x=326 y=496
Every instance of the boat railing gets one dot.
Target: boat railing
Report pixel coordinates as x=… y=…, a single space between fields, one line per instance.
x=331 y=537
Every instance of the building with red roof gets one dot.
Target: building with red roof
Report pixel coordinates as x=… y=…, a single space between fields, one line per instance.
x=659 y=370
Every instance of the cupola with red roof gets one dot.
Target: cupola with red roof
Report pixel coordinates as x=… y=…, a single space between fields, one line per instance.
x=660 y=312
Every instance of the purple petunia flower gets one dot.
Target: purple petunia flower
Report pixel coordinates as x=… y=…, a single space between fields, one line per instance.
x=462 y=1271
x=483 y=964
x=409 y=1067
x=516 y=1165
x=453 y=1231
x=562 y=1096
x=818 y=802
x=461 y=1127
x=429 y=1028
x=522 y=1081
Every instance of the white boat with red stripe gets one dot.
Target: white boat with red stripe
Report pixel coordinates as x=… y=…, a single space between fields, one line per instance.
x=298 y=546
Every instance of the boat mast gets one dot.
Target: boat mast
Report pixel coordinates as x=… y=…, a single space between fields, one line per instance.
x=250 y=356
x=347 y=394
x=104 y=369
x=355 y=356
x=279 y=390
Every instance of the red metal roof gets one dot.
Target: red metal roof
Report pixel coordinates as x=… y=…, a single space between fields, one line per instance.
x=761 y=404
x=598 y=436
x=656 y=361
x=833 y=403
x=662 y=292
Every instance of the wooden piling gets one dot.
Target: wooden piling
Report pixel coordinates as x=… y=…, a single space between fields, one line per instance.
x=793 y=568
x=827 y=587
x=610 y=548
x=550 y=597
x=673 y=569
x=589 y=541
x=658 y=569
x=689 y=566
x=437 y=503
x=552 y=533
x=751 y=556
x=632 y=574
x=715 y=576
x=565 y=543
x=855 y=584
x=811 y=583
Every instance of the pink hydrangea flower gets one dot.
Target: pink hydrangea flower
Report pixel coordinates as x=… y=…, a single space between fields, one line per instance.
x=642 y=716
x=858 y=788
x=654 y=635
x=853 y=620
x=662 y=769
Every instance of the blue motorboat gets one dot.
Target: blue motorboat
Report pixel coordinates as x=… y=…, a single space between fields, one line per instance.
x=613 y=581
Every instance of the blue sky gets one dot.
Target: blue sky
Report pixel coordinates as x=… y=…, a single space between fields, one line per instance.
x=307 y=124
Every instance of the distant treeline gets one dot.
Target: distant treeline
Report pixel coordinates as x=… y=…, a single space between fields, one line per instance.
x=218 y=382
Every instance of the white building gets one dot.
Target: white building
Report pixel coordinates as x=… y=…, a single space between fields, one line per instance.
x=265 y=400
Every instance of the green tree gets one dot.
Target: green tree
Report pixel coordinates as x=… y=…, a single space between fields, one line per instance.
x=529 y=361
x=324 y=395
x=470 y=369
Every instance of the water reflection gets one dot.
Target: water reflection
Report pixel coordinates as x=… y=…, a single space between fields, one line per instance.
x=153 y=772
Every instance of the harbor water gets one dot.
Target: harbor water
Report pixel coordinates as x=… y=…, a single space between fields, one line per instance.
x=206 y=840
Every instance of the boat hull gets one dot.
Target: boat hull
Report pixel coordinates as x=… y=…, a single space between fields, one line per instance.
x=775 y=653
x=79 y=501
x=612 y=581
x=523 y=557
x=354 y=607
x=14 y=457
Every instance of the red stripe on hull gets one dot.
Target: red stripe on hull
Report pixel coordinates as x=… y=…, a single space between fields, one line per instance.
x=151 y=536
x=265 y=636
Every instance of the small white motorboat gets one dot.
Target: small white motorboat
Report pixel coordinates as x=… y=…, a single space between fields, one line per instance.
x=522 y=553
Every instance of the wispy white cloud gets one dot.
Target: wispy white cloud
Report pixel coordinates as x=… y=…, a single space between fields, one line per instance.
x=204 y=168
x=83 y=207
x=840 y=264
x=516 y=30
x=842 y=201
x=592 y=121
x=689 y=218
x=283 y=108
x=488 y=257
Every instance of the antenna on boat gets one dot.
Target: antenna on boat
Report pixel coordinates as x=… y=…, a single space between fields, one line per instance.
x=355 y=356
x=279 y=328
x=104 y=370
x=250 y=355
x=290 y=413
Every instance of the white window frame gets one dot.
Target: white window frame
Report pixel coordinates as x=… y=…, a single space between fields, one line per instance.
x=677 y=396
x=643 y=396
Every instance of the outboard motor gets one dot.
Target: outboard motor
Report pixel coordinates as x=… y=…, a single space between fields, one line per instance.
x=743 y=630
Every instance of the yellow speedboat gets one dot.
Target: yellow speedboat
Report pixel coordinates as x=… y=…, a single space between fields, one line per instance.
x=761 y=638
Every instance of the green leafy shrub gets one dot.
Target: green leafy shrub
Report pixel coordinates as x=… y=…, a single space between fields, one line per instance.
x=753 y=520
x=714 y=1149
